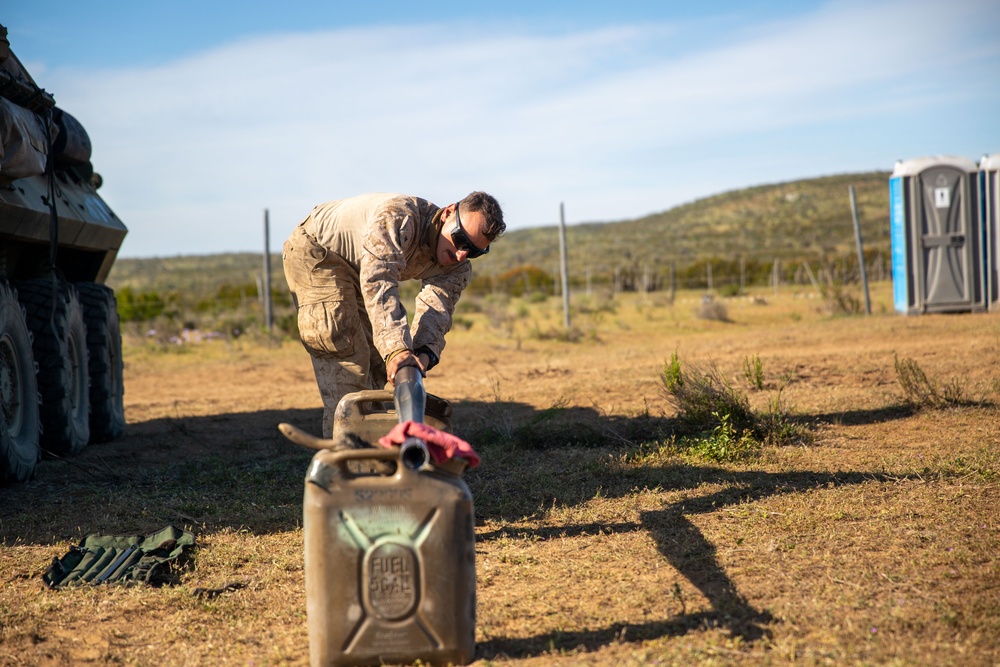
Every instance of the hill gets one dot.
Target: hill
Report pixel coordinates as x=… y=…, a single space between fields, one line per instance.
x=193 y=274
x=799 y=220
x=804 y=220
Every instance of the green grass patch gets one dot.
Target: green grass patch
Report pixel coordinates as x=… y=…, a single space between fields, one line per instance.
x=718 y=421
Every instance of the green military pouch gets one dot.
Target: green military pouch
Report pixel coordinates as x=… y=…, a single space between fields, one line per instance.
x=128 y=559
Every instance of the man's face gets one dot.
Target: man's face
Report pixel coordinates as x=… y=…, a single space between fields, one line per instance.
x=472 y=223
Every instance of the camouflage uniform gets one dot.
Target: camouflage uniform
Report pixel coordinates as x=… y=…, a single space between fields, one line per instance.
x=343 y=264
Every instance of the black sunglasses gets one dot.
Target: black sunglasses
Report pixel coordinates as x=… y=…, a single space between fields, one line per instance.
x=462 y=241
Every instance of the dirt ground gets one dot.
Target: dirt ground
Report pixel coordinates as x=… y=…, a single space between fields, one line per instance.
x=875 y=543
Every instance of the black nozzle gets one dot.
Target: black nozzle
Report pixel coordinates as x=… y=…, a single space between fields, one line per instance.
x=411 y=401
x=410 y=398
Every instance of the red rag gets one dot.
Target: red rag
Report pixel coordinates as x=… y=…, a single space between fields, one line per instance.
x=442 y=446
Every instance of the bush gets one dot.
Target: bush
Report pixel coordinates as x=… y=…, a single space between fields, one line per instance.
x=710 y=309
x=753 y=370
x=139 y=306
x=724 y=443
x=717 y=418
x=524 y=279
x=701 y=396
x=840 y=301
x=730 y=290
x=495 y=308
x=561 y=334
x=919 y=391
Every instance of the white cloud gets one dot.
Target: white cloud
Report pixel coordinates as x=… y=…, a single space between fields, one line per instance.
x=194 y=150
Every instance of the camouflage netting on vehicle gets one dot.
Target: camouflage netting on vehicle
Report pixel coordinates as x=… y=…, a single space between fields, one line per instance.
x=23 y=142
x=132 y=559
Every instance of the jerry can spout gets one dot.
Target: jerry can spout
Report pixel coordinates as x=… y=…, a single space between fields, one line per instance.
x=414 y=455
x=411 y=400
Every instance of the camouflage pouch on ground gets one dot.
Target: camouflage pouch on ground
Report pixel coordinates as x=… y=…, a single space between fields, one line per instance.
x=131 y=559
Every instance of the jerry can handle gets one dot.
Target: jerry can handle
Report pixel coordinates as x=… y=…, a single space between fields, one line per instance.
x=307 y=440
x=382 y=454
x=363 y=400
x=411 y=455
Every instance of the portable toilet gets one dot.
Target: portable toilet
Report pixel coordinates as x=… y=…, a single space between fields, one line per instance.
x=937 y=261
x=989 y=215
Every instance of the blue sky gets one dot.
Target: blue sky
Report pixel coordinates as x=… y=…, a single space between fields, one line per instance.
x=204 y=114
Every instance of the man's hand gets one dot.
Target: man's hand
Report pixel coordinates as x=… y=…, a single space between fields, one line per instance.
x=402 y=359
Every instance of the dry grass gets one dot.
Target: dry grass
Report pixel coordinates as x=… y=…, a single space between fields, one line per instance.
x=597 y=542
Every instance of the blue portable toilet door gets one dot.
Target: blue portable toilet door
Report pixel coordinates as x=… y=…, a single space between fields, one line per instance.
x=946 y=240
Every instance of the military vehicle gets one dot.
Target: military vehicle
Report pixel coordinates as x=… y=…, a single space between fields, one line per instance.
x=60 y=342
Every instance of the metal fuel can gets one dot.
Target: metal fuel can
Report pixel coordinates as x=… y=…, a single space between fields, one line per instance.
x=389 y=562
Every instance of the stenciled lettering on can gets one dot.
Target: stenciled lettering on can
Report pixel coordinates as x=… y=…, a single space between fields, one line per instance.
x=391 y=639
x=381 y=495
x=391 y=570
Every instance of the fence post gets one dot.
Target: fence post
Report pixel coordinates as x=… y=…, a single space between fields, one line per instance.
x=861 y=252
x=812 y=278
x=268 y=320
x=563 y=269
x=673 y=280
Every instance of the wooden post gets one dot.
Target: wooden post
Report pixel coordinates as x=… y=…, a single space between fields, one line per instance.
x=861 y=252
x=812 y=278
x=708 y=272
x=563 y=269
x=775 y=276
x=268 y=320
x=673 y=280
x=743 y=273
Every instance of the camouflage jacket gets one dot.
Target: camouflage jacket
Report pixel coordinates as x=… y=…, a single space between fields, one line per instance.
x=388 y=238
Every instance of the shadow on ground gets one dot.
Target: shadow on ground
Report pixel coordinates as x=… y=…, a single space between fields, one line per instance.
x=684 y=546
x=235 y=471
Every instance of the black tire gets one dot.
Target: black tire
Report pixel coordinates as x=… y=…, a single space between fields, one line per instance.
x=104 y=348
x=60 y=347
x=19 y=424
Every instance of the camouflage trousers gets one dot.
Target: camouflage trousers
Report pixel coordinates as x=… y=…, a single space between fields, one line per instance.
x=333 y=323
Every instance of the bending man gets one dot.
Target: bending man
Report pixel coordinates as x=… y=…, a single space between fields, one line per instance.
x=343 y=265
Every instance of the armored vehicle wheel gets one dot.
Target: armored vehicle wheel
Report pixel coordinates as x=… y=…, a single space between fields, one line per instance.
x=55 y=319
x=104 y=348
x=18 y=392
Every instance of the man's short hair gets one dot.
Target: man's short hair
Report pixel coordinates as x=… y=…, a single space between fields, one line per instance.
x=490 y=208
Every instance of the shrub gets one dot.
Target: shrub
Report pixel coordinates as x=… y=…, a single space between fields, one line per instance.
x=840 y=301
x=724 y=443
x=730 y=290
x=495 y=309
x=718 y=419
x=753 y=370
x=920 y=391
x=701 y=395
x=561 y=334
x=710 y=309
x=538 y=297
x=525 y=278
x=139 y=306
